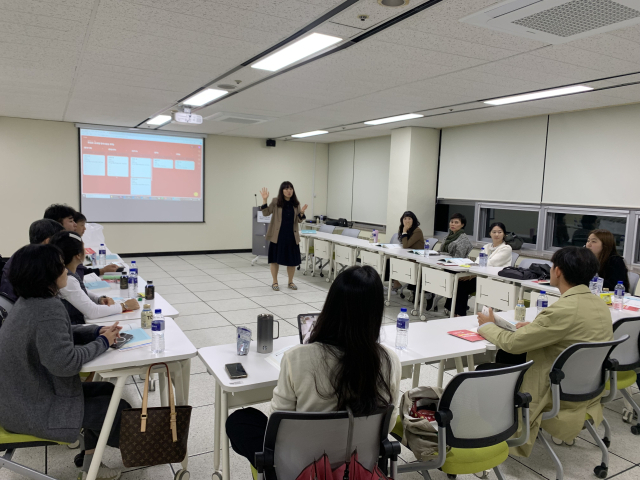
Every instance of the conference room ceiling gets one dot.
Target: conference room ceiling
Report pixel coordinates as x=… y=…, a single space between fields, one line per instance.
x=119 y=62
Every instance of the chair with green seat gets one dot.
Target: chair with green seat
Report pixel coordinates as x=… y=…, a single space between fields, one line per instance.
x=628 y=356
x=10 y=442
x=477 y=415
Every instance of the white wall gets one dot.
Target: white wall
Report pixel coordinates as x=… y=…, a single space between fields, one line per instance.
x=41 y=160
x=340 y=179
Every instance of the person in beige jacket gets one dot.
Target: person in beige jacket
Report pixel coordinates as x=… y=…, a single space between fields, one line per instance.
x=282 y=233
x=343 y=365
x=578 y=316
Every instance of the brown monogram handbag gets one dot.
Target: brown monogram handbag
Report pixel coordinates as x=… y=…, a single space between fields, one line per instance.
x=156 y=435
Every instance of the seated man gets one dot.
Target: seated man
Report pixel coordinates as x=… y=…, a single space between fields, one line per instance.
x=40 y=231
x=63 y=214
x=81 y=226
x=578 y=316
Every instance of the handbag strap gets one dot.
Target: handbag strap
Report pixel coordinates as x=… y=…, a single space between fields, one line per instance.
x=172 y=406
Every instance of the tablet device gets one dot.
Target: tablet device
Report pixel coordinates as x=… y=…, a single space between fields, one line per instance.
x=306 y=322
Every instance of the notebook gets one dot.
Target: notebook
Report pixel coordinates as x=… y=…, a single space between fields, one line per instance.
x=308 y=231
x=507 y=320
x=139 y=338
x=467 y=335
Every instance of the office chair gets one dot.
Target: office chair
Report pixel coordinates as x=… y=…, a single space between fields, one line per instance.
x=633 y=282
x=477 y=415
x=322 y=229
x=294 y=440
x=514 y=258
x=579 y=374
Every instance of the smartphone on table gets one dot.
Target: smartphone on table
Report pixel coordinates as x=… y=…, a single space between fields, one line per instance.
x=235 y=370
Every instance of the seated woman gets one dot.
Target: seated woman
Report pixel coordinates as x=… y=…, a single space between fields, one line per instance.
x=458 y=245
x=410 y=236
x=41 y=355
x=343 y=365
x=612 y=267
x=79 y=302
x=498 y=255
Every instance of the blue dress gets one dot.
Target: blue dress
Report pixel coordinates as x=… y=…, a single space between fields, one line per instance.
x=286 y=252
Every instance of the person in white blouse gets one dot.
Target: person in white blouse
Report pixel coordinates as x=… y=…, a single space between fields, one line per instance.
x=498 y=255
x=343 y=365
x=81 y=303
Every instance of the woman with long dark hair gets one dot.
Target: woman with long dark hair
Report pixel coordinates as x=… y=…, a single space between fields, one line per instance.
x=282 y=233
x=612 y=268
x=410 y=236
x=343 y=365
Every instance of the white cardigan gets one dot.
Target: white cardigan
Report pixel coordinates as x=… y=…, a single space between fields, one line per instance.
x=87 y=303
x=302 y=366
x=499 y=256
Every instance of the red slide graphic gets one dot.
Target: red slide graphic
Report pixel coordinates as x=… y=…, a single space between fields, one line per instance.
x=140 y=168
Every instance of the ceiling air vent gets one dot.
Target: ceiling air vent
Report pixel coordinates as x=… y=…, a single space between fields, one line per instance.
x=557 y=21
x=241 y=118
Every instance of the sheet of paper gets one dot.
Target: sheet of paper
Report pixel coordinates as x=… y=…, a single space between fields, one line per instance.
x=262 y=218
x=99 y=285
x=140 y=339
x=276 y=357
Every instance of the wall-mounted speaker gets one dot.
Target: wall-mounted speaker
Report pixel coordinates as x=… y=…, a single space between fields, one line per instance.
x=271 y=142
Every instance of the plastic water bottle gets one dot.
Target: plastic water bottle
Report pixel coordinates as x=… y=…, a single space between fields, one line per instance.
x=427 y=247
x=593 y=285
x=618 y=296
x=157 y=332
x=482 y=259
x=543 y=301
x=521 y=311
x=132 y=291
x=402 y=330
x=133 y=273
x=102 y=255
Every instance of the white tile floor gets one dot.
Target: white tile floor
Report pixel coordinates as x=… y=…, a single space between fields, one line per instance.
x=214 y=294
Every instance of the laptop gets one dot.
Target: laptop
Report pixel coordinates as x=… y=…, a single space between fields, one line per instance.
x=306 y=323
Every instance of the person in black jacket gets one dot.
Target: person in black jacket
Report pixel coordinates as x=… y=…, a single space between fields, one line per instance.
x=612 y=267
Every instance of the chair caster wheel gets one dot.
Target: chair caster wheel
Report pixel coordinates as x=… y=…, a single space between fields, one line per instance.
x=414 y=312
x=216 y=474
x=627 y=415
x=423 y=318
x=601 y=471
x=78 y=460
x=298 y=267
x=322 y=274
x=304 y=273
x=636 y=429
x=451 y=476
x=328 y=279
x=387 y=303
x=607 y=442
x=483 y=474
x=402 y=295
x=182 y=475
x=313 y=274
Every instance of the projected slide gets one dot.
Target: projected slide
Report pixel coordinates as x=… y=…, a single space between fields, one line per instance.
x=138 y=177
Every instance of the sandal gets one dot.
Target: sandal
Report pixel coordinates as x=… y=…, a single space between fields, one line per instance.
x=275 y=287
x=292 y=286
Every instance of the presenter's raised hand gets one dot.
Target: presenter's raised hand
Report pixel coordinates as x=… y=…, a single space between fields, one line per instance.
x=304 y=207
x=265 y=194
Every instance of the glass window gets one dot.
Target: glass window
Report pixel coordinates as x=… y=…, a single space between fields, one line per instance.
x=573 y=229
x=444 y=212
x=524 y=223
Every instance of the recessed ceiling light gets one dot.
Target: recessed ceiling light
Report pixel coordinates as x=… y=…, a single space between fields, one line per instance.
x=159 y=120
x=309 y=134
x=556 y=92
x=397 y=118
x=393 y=3
x=204 y=97
x=296 y=51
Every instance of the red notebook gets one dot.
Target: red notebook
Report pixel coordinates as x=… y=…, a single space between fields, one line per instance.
x=467 y=335
x=89 y=251
x=630 y=308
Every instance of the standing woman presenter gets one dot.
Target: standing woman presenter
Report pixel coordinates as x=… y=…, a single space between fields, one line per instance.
x=283 y=233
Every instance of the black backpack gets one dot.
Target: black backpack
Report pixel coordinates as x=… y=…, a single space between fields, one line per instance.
x=517 y=273
x=542 y=270
x=514 y=241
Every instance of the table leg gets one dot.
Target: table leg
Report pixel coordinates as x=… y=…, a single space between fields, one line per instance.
x=459 y=365
x=384 y=267
x=331 y=262
x=418 y=288
x=456 y=280
x=478 y=294
x=224 y=413
x=106 y=427
x=422 y=314
x=441 y=373
x=313 y=266
x=470 y=363
x=186 y=378
x=162 y=381
x=216 y=430
x=416 y=376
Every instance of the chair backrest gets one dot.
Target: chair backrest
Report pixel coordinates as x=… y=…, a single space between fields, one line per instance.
x=351 y=232
x=5 y=307
x=514 y=258
x=394 y=239
x=583 y=369
x=297 y=439
x=627 y=353
x=327 y=228
x=483 y=406
x=433 y=241
x=633 y=282
x=526 y=262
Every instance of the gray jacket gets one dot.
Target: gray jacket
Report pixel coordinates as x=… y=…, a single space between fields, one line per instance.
x=461 y=247
x=41 y=355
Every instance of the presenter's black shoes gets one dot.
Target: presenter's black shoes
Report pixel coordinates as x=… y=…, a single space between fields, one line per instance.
x=275 y=287
x=292 y=286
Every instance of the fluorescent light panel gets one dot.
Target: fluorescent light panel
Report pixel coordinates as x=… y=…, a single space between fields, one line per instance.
x=309 y=134
x=159 y=120
x=204 y=97
x=556 y=92
x=296 y=51
x=397 y=118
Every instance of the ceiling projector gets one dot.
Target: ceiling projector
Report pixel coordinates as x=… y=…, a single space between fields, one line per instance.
x=186 y=118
